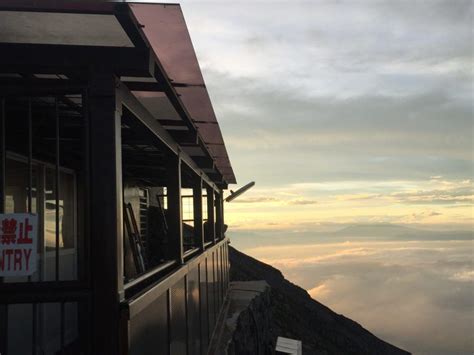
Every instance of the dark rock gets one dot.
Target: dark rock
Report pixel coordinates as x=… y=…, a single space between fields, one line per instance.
x=250 y=323
x=296 y=315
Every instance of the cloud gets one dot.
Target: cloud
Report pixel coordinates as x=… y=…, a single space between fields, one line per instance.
x=330 y=82
x=464 y=276
x=419 y=216
x=412 y=141
x=319 y=291
x=451 y=195
x=292 y=262
x=358 y=197
x=362 y=98
x=414 y=294
x=302 y=202
x=257 y=199
x=311 y=42
x=427 y=214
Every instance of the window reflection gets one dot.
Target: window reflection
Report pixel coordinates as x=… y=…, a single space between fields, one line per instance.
x=44 y=204
x=16 y=198
x=66 y=211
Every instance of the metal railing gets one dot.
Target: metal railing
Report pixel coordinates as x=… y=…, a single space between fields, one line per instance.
x=177 y=314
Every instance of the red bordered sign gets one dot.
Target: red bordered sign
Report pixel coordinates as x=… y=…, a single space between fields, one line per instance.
x=18 y=244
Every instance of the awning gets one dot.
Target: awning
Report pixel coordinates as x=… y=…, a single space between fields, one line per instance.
x=173 y=90
x=165 y=29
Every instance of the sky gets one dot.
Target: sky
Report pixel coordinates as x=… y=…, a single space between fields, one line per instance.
x=342 y=111
x=351 y=113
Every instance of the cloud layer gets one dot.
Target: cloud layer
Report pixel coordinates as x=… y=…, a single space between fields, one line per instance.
x=415 y=294
x=315 y=91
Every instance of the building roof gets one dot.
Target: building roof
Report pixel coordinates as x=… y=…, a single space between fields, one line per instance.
x=166 y=31
x=172 y=90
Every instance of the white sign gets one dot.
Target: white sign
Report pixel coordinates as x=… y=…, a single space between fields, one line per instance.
x=18 y=244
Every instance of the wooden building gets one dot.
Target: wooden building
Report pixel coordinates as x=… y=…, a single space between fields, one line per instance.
x=108 y=135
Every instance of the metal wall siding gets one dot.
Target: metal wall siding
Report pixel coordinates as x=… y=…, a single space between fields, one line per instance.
x=47 y=327
x=203 y=305
x=223 y=271
x=218 y=284
x=194 y=339
x=149 y=329
x=211 y=293
x=224 y=268
x=219 y=278
x=222 y=274
x=216 y=288
x=20 y=325
x=178 y=318
x=227 y=264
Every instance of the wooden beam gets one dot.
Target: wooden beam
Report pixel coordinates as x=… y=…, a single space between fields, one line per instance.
x=204 y=162
x=197 y=209
x=143 y=86
x=211 y=227
x=59 y=59
x=3 y=155
x=106 y=213
x=183 y=137
x=219 y=216
x=175 y=218
x=178 y=123
x=123 y=15
x=150 y=122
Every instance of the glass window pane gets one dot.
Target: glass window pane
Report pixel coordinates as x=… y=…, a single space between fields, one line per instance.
x=16 y=199
x=204 y=204
x=67 y=227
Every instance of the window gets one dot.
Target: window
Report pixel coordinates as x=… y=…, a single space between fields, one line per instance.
x=66 y=211
x=187 y=205
x=43 y=203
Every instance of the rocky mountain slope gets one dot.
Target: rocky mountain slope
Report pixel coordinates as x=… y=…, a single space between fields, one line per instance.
x=296 y=315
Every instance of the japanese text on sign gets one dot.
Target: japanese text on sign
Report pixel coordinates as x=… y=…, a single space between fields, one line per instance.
x=18 y=244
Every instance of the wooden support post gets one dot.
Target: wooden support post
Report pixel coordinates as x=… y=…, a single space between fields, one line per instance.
x=175 y=215
x=219 y=216
x=3 y=307
x=106 y=212
x=197 y=207
x=211 y=225
x=3 y=154
x=222 y=213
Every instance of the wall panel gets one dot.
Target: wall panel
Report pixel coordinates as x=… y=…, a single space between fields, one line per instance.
x=194 y=338
x=178 y=318
x=204 y=309
x=149 y=329
x=211 y=292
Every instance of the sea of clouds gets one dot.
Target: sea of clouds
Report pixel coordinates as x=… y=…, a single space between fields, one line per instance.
x=416 y=294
